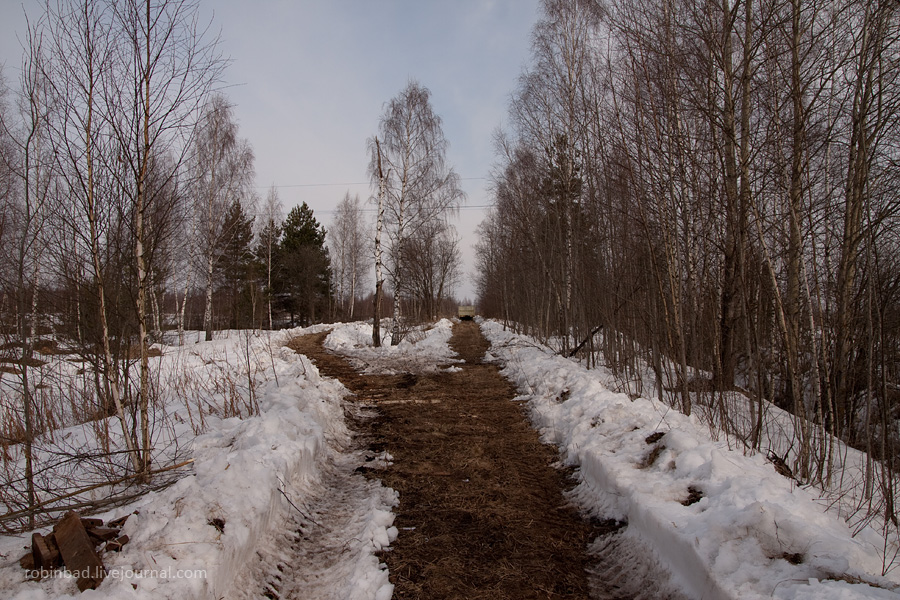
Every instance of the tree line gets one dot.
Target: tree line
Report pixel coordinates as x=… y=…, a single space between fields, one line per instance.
x=129 y=215
x=708 y=192
x=126 y=196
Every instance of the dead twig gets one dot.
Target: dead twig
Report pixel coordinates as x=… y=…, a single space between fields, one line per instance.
x=24 y=512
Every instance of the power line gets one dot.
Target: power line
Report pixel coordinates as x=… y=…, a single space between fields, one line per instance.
x=302 y=185
x=305 y=185
x=258 y=213
x=372 y=210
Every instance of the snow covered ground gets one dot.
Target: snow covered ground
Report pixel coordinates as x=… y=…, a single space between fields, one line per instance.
x=423 y=350
x=748 y=533
x=249 y=475
x=258 y=479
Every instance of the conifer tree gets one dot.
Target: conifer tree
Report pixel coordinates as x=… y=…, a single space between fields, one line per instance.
x=305 y=266
x=235 y=265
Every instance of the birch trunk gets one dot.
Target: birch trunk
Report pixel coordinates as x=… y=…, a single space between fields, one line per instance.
x=142 y=273
x=207 y=313
x=379 y=275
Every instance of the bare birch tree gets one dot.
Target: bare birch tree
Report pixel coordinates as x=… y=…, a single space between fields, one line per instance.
x=379 y=175
x=432 y=262
x=165 y=68
x=26 y=217
x=419 y=186
x=222 y=169
x=82 y=63
x=347 y=240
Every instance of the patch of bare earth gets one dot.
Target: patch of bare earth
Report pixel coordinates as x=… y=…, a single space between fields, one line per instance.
x=482 y=513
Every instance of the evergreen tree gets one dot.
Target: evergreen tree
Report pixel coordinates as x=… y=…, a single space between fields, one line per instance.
x=305 y=266
x=235 y=267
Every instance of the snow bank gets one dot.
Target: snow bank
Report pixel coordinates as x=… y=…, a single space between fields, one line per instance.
x=190 y=539
x=741 y=539
x=421 y=350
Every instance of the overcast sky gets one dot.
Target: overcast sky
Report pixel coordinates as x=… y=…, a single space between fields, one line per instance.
x=310 y=79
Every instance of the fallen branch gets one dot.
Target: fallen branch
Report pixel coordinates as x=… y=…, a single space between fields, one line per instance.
x=33 y=509
x=297 y=508
x=585 y=341
x=91 y=505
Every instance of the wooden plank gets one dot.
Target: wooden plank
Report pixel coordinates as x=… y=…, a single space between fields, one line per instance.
x=46 y=555
x=50 y=538
x=102 y=534
x=89 y=522
x=77 y=552
x=118 y=523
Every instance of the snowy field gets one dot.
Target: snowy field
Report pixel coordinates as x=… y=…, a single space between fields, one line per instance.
x=746 y=527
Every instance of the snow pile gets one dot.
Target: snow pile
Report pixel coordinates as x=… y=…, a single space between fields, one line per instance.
x=190 y=539
x=422 y=350
x=725 y=525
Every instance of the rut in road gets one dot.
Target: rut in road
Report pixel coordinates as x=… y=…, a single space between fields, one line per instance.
x=307 y=558
x=482 y=513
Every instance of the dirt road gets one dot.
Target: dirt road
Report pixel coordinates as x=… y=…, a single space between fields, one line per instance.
x=482 y=512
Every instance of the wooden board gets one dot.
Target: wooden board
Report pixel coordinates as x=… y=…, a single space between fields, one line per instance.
x=89 y=522
x=102 y=534
x=118 y=523
x=46 y=554
x=77 y=550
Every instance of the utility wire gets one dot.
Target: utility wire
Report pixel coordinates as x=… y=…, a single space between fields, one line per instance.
x=366 y=210
x=258 y=213
x=303 y=185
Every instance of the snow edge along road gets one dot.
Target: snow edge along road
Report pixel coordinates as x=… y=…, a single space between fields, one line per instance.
x=209 y=523
x=732 y=543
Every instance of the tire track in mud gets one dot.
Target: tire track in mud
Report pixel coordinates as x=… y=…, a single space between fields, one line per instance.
x=314 y=553
x=484 y=511
x=311 y=556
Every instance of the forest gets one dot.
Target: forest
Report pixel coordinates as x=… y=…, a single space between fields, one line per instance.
x=703 y=198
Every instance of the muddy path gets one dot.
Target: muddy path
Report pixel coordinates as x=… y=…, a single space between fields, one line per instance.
x=482 y=511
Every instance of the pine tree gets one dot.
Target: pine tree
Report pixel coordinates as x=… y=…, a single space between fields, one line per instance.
x=305 y=266
x=235 y=266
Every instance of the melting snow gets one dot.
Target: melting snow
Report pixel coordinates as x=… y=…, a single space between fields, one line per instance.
x=740 y=537
x=748 y=528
